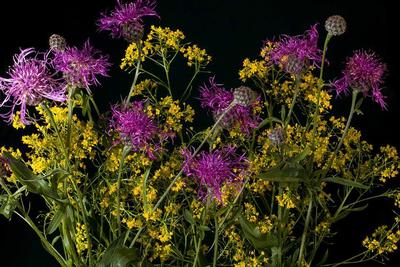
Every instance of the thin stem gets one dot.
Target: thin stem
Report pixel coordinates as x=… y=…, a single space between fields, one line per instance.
x=128 y=98
x=44 y=241
x=296 y=93
x=327 y=39
x=346 y=129
x=304 y=235
x=215 y=241
x=124 y=152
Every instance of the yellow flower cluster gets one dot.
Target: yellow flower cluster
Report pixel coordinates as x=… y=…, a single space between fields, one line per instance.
x=287 y=199
x=170 y=113
x=195 y=56
x=162 y=38
x=382 y=240
x=46 y=151
x=388 y=163
x=16 y=123
x=81 y=238
x=134 y=52
x=253 y=69
x=144 y=85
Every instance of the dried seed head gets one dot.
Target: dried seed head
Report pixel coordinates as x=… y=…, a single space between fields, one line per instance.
x=335 y=25
x=277 y=136
x=244 y=96
x=57 y=43
x=132 y=32
x=294 y=65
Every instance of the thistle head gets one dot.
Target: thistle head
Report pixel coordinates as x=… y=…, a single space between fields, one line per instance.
x=57 y=43
x=244 y=96
x=335 y=25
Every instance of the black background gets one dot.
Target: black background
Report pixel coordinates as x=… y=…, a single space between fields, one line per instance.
x=230 y=30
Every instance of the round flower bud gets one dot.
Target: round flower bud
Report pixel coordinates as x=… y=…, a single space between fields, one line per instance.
x=57 y=43
x=276 y=136
x=335 y=25
x=132 y=32
x=244 y=96
x=294 y=65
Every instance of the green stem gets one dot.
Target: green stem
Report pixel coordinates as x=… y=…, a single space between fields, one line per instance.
x=187 y=92
x=296 y=93
x=135 y=78
x=346 y=129
x=215 y=241
x=304 y=235
x=44 y=241
x=327 y=39
x=124 y=153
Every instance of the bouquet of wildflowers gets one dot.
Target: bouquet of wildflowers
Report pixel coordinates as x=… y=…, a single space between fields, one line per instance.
x=141 y=186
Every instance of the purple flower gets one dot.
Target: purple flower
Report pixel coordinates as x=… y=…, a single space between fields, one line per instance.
x=30 y=82
x=212 y=170
x=81 y=66
x=364 y=72
x=135 y=128
x=217 y=99
x=127 y=18
x=293 y=53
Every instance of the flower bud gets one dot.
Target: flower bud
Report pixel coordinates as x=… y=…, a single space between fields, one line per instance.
x=57 y=43
x=244 y=96
x=276 y=136
x=335 y=25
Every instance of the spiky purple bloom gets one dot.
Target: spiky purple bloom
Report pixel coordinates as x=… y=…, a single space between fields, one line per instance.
x=217 y=99
x=135 y=128
x=126 y=20
x=295 y=52
x=364 y=71
x=30 y=82
x=212 y=170
x=81 y=67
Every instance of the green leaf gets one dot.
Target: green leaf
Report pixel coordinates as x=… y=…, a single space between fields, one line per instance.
x=260 y=241
x=204 y=228
x=268 y=120
x=345 y=182
x=188 y=216
x=287 y=174
x=7 y=205
x=283 y=113
x=33 y=183
x=117 y=255
x=323 y=260
x=55 y=222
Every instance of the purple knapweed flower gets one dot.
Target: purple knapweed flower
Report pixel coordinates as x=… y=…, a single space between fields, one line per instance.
x=30 y=81
x=211 y=170
x=294 y=53
x=135 y=128
x=364 y=71
x=126 y=20
x=218 y=99
x=81 y=67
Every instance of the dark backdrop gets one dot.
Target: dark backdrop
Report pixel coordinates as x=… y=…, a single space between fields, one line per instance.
x=230 y=30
